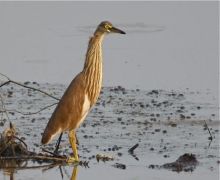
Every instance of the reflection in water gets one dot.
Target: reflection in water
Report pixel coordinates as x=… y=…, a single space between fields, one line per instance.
x=62 y=167
x=9 y=167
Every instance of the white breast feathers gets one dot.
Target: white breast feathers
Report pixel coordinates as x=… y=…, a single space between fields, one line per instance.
x=85 y=110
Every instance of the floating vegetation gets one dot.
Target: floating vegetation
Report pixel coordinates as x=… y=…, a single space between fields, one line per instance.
x=104 y=158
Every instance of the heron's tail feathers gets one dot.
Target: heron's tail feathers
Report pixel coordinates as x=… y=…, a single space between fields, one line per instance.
x=48 y=135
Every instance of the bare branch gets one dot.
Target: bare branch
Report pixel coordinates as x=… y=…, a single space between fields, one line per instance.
x=4 y=110
x=25 y=86
x=5 y=76
x=54 y=154
x=28 y=113
x=35 y=89
x=5 y=83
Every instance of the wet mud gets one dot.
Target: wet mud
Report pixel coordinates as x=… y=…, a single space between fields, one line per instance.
x=129 y=134
x=186 y=162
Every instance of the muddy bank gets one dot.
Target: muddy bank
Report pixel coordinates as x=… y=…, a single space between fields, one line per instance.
x=164 y=124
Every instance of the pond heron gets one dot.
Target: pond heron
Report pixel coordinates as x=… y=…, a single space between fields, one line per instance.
x=81 y=94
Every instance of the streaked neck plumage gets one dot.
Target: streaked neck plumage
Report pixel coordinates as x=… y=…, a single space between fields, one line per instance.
x=92 y=70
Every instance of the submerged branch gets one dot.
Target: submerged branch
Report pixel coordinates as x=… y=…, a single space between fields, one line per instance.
x=34 y=157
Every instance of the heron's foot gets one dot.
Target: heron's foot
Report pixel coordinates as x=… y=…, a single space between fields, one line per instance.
x=72 y=160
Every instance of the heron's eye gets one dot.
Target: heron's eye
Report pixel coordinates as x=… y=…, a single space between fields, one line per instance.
x=108 y=27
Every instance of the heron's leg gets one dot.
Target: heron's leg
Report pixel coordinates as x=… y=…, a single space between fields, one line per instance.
x=74 y=173
x=58 y=144
x=77 y=141
x=72 y=139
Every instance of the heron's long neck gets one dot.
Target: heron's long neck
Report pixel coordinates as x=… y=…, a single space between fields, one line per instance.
x=93 y=67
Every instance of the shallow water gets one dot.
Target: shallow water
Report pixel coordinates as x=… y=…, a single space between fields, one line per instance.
x=168 y=45
x=165 y=124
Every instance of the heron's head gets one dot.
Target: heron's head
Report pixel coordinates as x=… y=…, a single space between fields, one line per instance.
x=107 y=27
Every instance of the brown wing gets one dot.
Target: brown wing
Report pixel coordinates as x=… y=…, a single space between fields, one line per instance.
x=68 y=111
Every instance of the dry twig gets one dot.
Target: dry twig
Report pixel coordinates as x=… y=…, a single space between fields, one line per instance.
x=210 y=137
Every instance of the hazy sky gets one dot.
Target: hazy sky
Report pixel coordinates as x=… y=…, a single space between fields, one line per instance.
x=168 y=45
